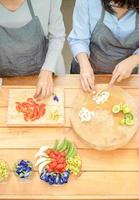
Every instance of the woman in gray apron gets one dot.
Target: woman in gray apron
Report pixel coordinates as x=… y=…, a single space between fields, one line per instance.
x=105 y=39
x=31 y=40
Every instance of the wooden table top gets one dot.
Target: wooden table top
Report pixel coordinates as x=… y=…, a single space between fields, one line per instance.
x=105 y=175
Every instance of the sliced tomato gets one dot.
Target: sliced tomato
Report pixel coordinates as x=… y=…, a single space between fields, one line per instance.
x=63 y=154
x=31 y=109
x=56 y=152
x=52 y=155
x=41 y=112
x=53 y=165
x=30 y=100
x=48 y=152
x=18 y=107
x=61 y=160
x=59 y=166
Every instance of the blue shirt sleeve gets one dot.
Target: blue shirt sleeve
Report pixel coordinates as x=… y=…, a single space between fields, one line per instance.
x=79 y=37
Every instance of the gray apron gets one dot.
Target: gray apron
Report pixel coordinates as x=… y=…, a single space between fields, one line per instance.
x=106 y=51
x=23 y=50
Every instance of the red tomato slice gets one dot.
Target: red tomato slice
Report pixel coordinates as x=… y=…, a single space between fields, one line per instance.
x=31 y=110
x=63 y=154
x=52 y=155
x=59 y=166
x=61 y=160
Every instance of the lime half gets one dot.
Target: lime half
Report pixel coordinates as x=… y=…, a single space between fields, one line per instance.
x=122 y=122
x=116 y=109
x=125 y=109
x=129 y=116
x=129 y=122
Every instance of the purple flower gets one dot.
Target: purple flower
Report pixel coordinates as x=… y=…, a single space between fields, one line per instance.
x=55 y=98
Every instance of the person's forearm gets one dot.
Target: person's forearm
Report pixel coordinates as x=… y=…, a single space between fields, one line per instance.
x=0 y=82
x=82 y=59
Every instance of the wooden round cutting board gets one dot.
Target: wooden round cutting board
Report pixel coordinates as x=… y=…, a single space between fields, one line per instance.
x=104 y=132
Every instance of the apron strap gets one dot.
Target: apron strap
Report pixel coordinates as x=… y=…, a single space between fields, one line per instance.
x=102 y=15
x=137 y=21
x=31 y=8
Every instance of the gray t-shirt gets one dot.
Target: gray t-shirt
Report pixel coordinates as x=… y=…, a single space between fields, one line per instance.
x=51 y=20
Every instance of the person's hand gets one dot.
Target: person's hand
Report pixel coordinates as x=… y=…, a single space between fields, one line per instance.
x=87 y=78
x=44 y=86
x=123 y=70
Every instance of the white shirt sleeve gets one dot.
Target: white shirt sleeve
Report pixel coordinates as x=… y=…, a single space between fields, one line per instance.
x=56 y=36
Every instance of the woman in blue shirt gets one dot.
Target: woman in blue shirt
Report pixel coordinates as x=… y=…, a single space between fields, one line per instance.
x=105 y=39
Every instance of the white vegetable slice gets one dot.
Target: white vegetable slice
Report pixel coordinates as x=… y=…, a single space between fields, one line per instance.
x=41 y=151
x=85 y=115
x=42 y=166
x=101 y=98
x=40 y=154
x=40 y=160
x=43 y=148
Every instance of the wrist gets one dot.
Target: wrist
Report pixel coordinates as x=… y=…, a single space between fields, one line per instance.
x=45 y=71
x=134 y=60
x=83 y=60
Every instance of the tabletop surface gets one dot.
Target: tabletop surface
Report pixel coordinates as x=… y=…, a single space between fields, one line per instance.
x=105 y=175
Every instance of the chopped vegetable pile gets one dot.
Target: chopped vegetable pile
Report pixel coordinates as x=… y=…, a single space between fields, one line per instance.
x=101 y=97
x=85 y=115
x=23 y=169
x=54 y=115
x=58 y=161
x=56 y=164
x=31 y=109
x=128 y=118
x=4 y=170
